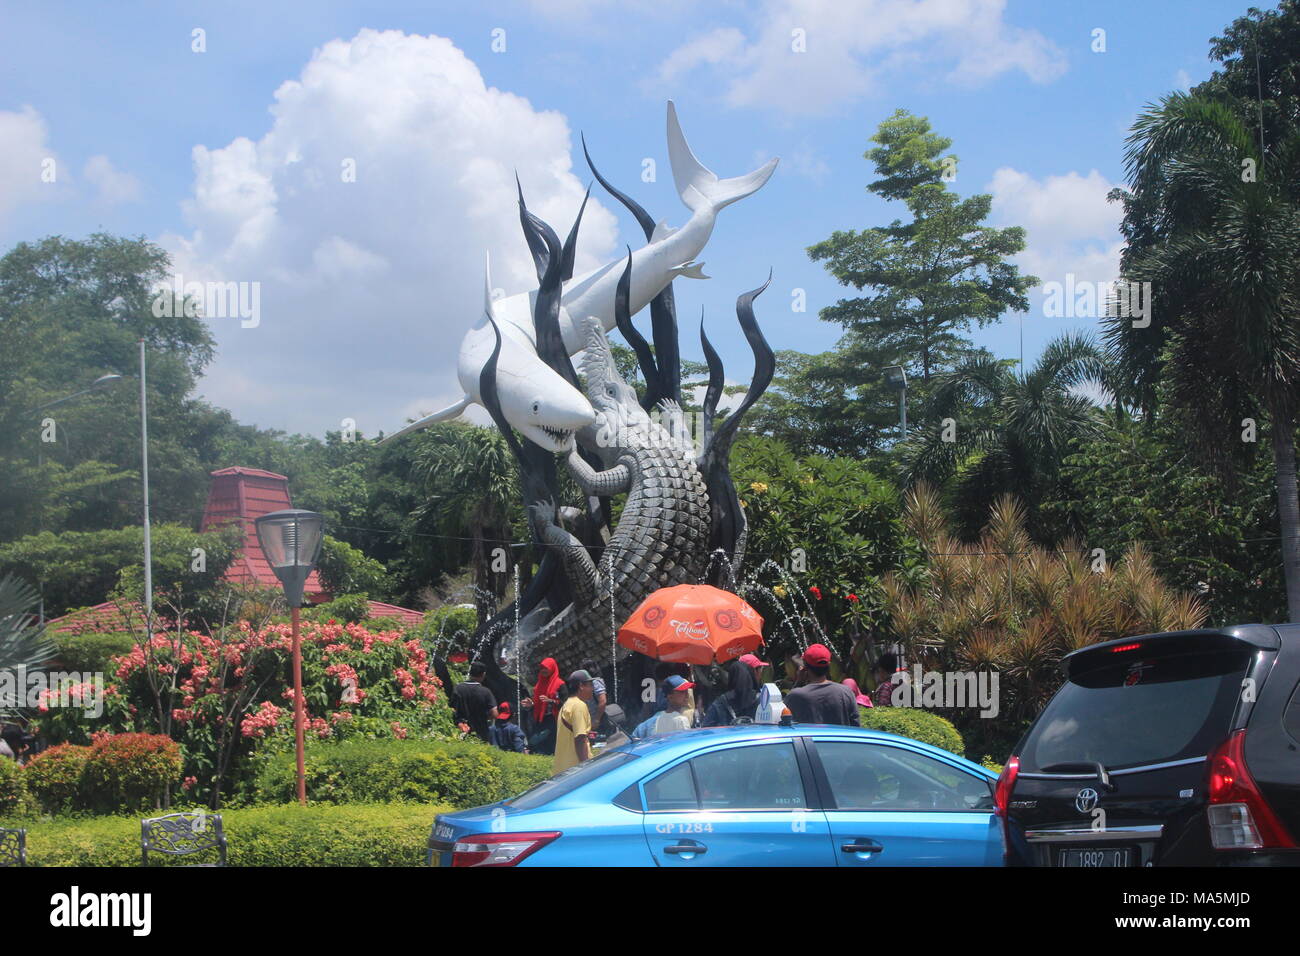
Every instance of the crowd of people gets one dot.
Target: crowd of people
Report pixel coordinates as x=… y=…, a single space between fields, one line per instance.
x=565 y=718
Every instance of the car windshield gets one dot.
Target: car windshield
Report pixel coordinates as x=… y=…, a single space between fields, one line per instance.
x=1139 y=711
x=570 y=780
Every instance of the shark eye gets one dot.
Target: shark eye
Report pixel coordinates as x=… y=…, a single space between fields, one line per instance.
x=537 y=407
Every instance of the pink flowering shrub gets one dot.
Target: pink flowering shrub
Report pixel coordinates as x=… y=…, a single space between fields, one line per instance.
x=227 y=697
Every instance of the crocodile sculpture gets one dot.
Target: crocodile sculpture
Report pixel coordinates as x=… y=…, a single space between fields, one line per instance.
x=682 y=521
x=662 y=535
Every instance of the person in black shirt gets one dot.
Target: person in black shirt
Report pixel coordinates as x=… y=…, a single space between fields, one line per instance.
x=474 y=704
x=820 y=700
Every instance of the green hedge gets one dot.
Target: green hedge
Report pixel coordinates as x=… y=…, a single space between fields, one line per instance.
x=918 y=724
x=458 y=773
x=372 y=835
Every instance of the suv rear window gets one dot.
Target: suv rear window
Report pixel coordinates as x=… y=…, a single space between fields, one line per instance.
x=1143 y=709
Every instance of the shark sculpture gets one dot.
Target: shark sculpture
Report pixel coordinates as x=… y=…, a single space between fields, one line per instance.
x=533 y=397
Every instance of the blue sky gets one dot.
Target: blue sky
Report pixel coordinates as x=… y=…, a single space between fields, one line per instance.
x=373 y=282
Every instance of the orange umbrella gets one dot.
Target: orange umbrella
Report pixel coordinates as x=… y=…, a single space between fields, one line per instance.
x=693 y=623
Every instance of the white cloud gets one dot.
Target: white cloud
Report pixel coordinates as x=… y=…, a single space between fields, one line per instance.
x=368 y=286
x=24 y=157
x=853 y=49
x=113 y=185
x=801 y=161
x=1070 y=227
x=1183 y=80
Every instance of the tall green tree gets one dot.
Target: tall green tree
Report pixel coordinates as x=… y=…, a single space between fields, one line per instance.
x=927 y=279
x=1212 y=218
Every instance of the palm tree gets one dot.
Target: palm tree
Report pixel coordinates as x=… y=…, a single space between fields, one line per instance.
x=1213 y=223
x=22 y=641
x=1007 y=432
x=470 y=471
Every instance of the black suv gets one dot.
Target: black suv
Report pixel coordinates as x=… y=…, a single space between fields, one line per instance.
x=1177 y=749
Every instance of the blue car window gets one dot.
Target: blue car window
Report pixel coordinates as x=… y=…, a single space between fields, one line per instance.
x=763 y=777
x=867 y=776
x=673 y=790
x=569 y=780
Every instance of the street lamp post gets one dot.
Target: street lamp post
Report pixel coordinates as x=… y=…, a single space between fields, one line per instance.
x=896 y=378
x=291 y=541
x=144 y=477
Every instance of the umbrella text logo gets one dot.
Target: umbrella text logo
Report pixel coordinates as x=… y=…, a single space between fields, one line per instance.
x=695 y=630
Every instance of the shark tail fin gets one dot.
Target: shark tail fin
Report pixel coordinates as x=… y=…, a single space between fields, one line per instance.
x=451 y=411
x=690 y=270
x=698 y=186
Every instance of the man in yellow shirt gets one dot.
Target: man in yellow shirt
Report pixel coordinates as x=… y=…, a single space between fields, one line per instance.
x=572 y=743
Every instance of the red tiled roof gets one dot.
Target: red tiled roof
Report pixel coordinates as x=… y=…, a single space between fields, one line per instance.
x=255 y=472
x=101 y=618
x=403 y=614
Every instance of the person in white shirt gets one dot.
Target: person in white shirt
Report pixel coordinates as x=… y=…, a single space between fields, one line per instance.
x=677 y=716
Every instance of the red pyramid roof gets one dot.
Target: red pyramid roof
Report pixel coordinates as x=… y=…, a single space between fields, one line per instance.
x=244 y=495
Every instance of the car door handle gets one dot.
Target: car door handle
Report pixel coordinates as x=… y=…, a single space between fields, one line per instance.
x=861 y=845
x=687 y=846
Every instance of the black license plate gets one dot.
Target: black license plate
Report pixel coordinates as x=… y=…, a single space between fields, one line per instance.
x=1095 y=856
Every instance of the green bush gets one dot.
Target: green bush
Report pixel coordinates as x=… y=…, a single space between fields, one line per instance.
x=130 y=771
x=373 y=835
x=55 y=778
x=92 y=653
x=14 y=798
x=347 y=608
x=115 y=773
x=458 y=773
x=522 y=771
x=918 y=724
x=344 y=569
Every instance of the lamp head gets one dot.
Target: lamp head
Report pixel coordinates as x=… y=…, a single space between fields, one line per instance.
x=291 y=542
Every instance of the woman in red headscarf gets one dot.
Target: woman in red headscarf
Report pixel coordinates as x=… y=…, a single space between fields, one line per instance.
x=548 y=696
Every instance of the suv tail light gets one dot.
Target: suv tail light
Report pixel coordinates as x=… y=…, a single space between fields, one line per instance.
x=1006 y=783
x=1240 y=818
x=498 y=849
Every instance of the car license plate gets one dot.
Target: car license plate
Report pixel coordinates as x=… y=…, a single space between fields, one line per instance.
x=1095 y=856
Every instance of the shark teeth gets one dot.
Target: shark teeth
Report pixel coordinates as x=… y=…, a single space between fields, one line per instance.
x=560 y=435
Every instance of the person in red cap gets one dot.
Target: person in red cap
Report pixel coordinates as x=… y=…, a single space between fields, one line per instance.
x=506 y=733
x=756 y=665
x=818 y=699
x=676 y=717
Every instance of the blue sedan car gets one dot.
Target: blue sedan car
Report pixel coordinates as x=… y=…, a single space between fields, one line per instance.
x=754 y=795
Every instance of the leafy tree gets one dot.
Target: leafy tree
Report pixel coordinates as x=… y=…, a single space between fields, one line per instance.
x=1136 y=480
x=993 y=431
x=70 y=312
x=471 y=472
x=816 y=522
x=80 y=568
x=1213 y=223
x=930 y=278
